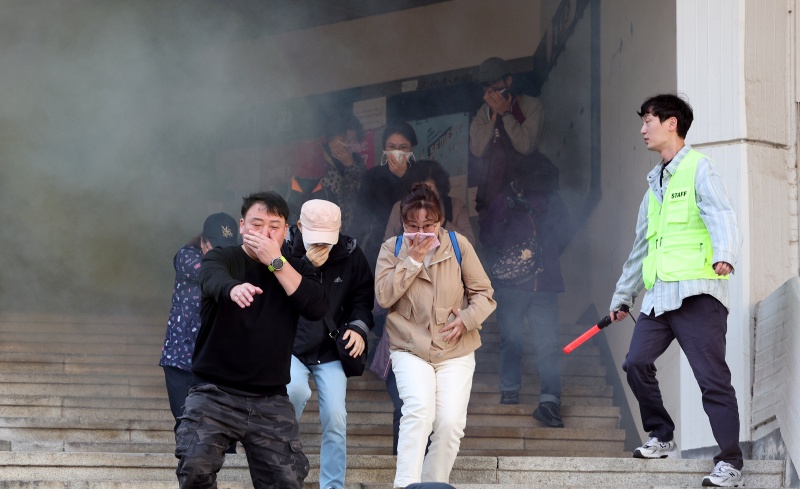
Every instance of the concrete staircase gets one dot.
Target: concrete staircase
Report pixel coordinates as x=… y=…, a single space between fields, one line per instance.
x=83 y=405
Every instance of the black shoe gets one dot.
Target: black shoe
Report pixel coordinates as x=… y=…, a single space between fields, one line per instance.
x=549 y=414
x=509 y=397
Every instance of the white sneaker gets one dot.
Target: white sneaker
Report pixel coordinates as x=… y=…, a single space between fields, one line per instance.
x=656 y=449
x=724 y=475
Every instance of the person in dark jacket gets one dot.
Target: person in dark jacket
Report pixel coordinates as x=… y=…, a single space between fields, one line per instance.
x=347 y=279
x=383 y=186
x=253 y=296
x=529 y=221
x=184 y=317
x=344 y=167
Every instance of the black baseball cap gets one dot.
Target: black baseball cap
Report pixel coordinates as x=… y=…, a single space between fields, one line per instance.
x=221 y=230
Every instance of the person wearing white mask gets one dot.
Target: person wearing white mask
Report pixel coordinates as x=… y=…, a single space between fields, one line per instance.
x=384 y=185
x=437 y=303
x=348 y=281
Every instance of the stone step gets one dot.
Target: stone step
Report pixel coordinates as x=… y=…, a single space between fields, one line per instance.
x=64 y=391
x=490 y=438
x=526 y=420
x=119 y=471
x=93 y=339
x=84 y=390
x=129 y=387
x=151 y=350
x=100 y=357
x=371 y=412
x=80 y=322
x=148 y=430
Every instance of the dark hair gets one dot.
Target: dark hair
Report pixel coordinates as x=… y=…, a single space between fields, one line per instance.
x=197 y=241
x=421 y=197
x=668 y=105
x=424 y=170
x=273 y=202
x=339 y=124
x=402 y=128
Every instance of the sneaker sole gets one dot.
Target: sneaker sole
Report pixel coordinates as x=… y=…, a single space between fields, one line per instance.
x=708 y=483
x=638 y=454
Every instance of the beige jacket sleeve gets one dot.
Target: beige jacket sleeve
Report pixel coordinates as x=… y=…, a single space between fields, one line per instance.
x=525 y=136
x=393 y=274
x=481 y=131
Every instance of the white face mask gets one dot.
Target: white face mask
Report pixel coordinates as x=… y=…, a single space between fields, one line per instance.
x=399 y=155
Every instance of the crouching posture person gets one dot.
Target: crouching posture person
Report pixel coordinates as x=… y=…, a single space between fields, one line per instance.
x=253 y=296
x=438 y=295
x=348 y=281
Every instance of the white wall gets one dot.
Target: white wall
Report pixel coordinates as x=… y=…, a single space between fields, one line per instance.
x=733 y=64
x=637 y=60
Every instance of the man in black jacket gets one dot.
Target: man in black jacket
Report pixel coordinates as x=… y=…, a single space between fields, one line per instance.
x=348 y=281
x=253 y=296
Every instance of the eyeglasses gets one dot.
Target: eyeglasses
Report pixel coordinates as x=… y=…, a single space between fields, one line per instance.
x=414 y=227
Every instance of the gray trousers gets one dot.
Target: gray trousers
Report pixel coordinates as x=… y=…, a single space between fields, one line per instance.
x=266 y=427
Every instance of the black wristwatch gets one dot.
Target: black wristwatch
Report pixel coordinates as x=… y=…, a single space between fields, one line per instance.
x=276 y=264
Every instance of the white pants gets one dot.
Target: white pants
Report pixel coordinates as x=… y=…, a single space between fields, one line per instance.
x=435 y=397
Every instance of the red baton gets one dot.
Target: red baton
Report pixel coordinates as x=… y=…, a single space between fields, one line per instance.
x=590 y=332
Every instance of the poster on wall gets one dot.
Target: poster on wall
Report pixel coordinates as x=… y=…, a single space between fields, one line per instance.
x=446 y=139
x=367 y=150
x=371 y=113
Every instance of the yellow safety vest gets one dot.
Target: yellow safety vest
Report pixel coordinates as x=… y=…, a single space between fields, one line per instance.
x=678 y=243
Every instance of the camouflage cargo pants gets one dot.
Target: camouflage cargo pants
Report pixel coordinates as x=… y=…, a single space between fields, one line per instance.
x=266 y=427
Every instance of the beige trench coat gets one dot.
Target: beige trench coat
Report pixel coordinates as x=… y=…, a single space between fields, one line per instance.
x=419 y=298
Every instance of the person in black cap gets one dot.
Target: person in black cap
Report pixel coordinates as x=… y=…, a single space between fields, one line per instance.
x=504 y=131
x=184 y=317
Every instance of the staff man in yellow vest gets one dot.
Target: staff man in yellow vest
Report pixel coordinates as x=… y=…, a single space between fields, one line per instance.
x=685 y=247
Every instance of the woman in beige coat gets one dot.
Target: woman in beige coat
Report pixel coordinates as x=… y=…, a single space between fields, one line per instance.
x=436 y=308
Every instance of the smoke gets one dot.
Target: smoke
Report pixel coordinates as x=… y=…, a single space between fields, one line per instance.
x=113 y=117
x=110 y=113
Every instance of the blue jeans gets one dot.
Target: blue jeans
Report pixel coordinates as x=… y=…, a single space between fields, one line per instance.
x=331 y=389
x=541 y=311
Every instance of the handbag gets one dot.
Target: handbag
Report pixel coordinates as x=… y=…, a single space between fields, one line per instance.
x=518 y=263
x=381 y=359
x=353 y=367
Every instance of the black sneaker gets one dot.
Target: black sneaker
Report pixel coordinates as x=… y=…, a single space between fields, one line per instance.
x=549 y=414
x=509 y=397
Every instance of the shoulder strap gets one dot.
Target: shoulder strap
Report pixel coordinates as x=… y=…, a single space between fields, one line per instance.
x=456 y=248
x=453 y=240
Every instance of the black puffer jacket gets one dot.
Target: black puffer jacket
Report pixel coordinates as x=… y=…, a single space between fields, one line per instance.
x=347 y=279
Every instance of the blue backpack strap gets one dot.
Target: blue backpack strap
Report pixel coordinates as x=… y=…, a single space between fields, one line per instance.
x=456 y=248
x=453 y=240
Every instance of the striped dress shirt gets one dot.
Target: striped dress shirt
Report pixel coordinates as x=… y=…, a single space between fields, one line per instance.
x=717 y=213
